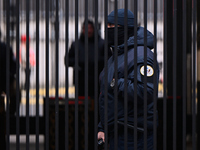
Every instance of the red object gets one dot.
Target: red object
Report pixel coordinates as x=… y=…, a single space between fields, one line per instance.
x=82 y=97
x=23 y=38
x=171 y=97
x=71 y=102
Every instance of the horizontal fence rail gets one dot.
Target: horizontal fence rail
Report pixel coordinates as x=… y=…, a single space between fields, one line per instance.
x=70 y=74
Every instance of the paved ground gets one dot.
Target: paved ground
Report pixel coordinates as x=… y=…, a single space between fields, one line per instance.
x=32 y=144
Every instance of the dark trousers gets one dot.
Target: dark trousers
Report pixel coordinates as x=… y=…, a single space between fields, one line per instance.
x=130 y=141
x=27 y=79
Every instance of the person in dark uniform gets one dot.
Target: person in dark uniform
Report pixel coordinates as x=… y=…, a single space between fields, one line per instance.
x=130 y=84
x=91 y=58
x=3 y=76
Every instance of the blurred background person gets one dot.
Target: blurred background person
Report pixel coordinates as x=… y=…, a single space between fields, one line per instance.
x=22 y=58
x=91 y=58
x=3 y=76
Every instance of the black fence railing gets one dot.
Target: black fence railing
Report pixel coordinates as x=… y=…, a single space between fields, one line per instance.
x=113 y=97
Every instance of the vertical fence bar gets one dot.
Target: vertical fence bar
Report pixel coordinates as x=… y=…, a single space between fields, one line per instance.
x=66 y=75
x=174 y=70
x=57 y=79
x=145 y=75
x=155 y=94
x=106 y=74
x=184 y=76
x=37 y=74
x=165 y=79
x=47 y=79
x=17 y=78
x=125 y=75
x=116 y=77
x=198 y=72
x=96 y=75
x=7 y=74
x=86 y=75
x=135 y=72
x=194 y=76
x=27 y=82
x=76 y=75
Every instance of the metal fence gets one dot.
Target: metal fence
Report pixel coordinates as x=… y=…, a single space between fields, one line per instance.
x=47 y=101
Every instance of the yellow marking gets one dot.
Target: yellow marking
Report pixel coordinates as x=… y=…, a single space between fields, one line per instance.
x=42 y=94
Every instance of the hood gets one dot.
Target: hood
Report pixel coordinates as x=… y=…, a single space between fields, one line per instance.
x=140 y=40
x=121 y=17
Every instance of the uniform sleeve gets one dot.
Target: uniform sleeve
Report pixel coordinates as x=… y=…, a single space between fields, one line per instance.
x=100 y=127
x=130 y=89
x=140 y=84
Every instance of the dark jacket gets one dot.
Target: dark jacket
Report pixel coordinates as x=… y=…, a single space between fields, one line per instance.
x=130 y=83
x=91 y=62
x=12 y=65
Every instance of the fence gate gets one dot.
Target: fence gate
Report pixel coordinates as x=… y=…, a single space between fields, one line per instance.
x=50 y=97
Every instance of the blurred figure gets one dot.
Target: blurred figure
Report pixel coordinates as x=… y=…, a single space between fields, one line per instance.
x=3 y=76
x=91 y=58
x=22 y=57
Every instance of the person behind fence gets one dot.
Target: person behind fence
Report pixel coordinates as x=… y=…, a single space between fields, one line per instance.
x=11 y=78
x=91 y=58
x=130 y=84
x=22 y=58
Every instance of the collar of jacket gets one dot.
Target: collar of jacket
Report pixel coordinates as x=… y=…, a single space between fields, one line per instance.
x=120 y=48
x=140 y=40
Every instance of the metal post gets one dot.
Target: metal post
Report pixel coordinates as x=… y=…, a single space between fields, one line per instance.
x=198 y=73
